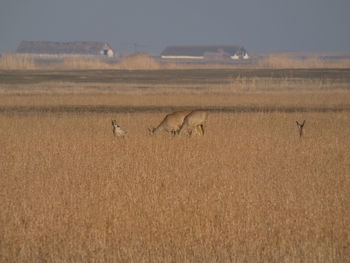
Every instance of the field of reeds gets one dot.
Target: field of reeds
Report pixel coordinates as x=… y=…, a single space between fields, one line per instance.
x=144 y=61
x=249 y=190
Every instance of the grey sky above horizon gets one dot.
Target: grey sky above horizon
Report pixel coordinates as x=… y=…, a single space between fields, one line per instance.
x=151 y=25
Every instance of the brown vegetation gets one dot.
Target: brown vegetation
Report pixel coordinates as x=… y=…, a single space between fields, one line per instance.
x=78 y=63
x=16 y=62
x=248 y=191
x=138 y=61
x=143 y=61
x=90 y=103
x=285 y=60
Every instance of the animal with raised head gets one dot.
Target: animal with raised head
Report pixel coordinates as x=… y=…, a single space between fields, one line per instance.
x=117 y=130
x=300 y=126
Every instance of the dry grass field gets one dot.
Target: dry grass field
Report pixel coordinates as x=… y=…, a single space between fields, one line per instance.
x=194 y=81
x=144 y=61
x=249 y=190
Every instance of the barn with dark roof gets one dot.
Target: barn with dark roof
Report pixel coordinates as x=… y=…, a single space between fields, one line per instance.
x=82 y=48
x=204 y=52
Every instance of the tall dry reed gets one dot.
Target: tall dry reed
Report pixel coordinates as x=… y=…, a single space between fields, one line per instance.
x=143 y=61
x=10 y=61
x=138 y=61
x=248 y=191
x=82 y=63
x=281 y=61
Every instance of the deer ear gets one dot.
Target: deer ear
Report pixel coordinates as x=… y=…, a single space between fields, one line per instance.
x=304 y=122
x=297 y=123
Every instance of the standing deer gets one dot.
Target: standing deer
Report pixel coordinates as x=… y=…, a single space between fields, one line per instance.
x=171 y=123
x=117 y=130
x=300 y=126
x=194 y=121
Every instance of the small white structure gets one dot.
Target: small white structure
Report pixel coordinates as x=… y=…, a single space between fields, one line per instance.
x=206 y=53
x=246 y=56
x=107 y=50
x=235 y=57
x=183 y=57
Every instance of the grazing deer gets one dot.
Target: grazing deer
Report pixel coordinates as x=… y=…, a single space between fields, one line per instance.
x=171 y=123
x=117 y=131
x=196 y=120
x=300 y=126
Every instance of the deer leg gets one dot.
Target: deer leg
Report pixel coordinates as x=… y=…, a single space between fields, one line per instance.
x=189 y=131
x=197 y=130
x=202 y=128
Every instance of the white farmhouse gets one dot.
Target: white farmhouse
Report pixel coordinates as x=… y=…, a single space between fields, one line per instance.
x=205 y=53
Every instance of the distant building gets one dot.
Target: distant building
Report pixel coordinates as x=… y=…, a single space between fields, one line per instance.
x=235 y=56
x=207 y=53
x=80 y=48
x=246 y=56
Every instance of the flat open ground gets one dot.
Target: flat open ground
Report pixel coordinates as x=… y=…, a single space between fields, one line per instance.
x=174 y=81
x=249 y=190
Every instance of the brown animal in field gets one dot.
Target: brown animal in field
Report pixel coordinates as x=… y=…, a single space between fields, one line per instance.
x=300 y=126
x=196 y=120
x=171 y=123
x=117 y=130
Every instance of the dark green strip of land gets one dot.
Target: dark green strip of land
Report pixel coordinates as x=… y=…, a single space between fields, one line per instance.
x=195 y=76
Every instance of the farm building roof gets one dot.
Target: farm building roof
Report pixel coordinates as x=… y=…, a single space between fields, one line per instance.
x=48 y=47
x=201 y=50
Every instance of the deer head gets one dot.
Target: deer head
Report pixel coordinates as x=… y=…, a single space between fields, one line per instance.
x=300 y=126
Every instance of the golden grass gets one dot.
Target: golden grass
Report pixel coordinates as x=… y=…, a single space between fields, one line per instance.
x=285 y=60
x=230 y=85
x=11 y=61
x=306 y=101
x=80 y=63
x=248 y=191
x=138 y=61
x=143 y=61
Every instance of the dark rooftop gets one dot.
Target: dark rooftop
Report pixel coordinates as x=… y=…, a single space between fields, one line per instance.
x=201 y=50
x=48 y=47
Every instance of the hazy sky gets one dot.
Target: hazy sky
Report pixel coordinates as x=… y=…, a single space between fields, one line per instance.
x=259 y=25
